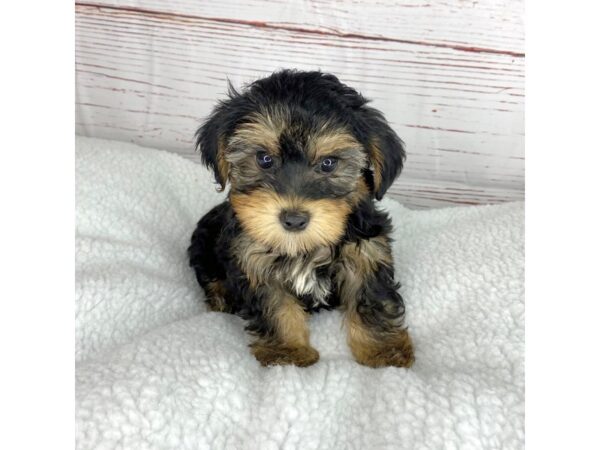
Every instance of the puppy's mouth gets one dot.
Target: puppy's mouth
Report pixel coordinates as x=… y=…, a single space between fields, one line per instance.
x=290 y=225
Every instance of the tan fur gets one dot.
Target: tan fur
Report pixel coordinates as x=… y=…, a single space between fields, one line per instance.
x=259 y=213
x=378 y=350
x=361 y=192
x=377 y=160
x=262 y=130
x=361 y=259
x=255 y=259
x=328 y=142
x=290 y=344
x=222 y=164
x=270 y=354
x=290 y=320
x=215 y=296
x=357 y=262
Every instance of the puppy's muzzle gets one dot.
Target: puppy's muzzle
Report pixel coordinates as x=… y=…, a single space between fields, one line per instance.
x=294 y=220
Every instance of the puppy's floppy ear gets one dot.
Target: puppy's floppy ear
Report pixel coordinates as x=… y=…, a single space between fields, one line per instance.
x=210 y=141
x=211 y=137
x=386 y=151
x=385 y=148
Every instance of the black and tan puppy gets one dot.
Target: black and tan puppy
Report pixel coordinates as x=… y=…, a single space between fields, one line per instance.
x=305 y=158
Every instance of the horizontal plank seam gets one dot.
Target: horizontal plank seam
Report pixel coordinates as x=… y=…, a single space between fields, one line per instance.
x=260 y=24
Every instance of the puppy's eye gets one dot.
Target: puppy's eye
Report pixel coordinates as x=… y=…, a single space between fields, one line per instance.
x=264 y=160
x=328 y=164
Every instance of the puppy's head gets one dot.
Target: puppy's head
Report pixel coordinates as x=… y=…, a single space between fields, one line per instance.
x=300 y=150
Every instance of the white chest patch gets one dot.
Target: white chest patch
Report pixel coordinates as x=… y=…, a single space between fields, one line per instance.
x=308 y=283
x=300 y=275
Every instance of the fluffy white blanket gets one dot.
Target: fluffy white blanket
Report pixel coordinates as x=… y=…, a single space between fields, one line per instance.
x=156 y=370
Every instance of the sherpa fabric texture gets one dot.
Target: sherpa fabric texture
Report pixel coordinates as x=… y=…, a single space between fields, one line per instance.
x=155 y=370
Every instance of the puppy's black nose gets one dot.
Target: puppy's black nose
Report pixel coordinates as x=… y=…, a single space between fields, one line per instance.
x=294 y=220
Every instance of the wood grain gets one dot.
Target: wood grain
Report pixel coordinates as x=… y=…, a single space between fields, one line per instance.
x=148 y=72
x=493 y=26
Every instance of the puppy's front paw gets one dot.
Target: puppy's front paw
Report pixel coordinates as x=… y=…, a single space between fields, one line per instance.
x=388 y=356
x=395 y=350
x=279 y=355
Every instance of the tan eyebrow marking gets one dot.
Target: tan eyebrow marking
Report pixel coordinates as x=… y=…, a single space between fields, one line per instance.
x=330 y=142
x=263 y=130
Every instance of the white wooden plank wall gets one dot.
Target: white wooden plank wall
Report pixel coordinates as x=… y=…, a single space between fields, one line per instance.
x=449 y=75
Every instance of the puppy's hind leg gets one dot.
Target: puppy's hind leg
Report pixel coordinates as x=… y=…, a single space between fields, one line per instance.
x=215 y=297
x=205 y=256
